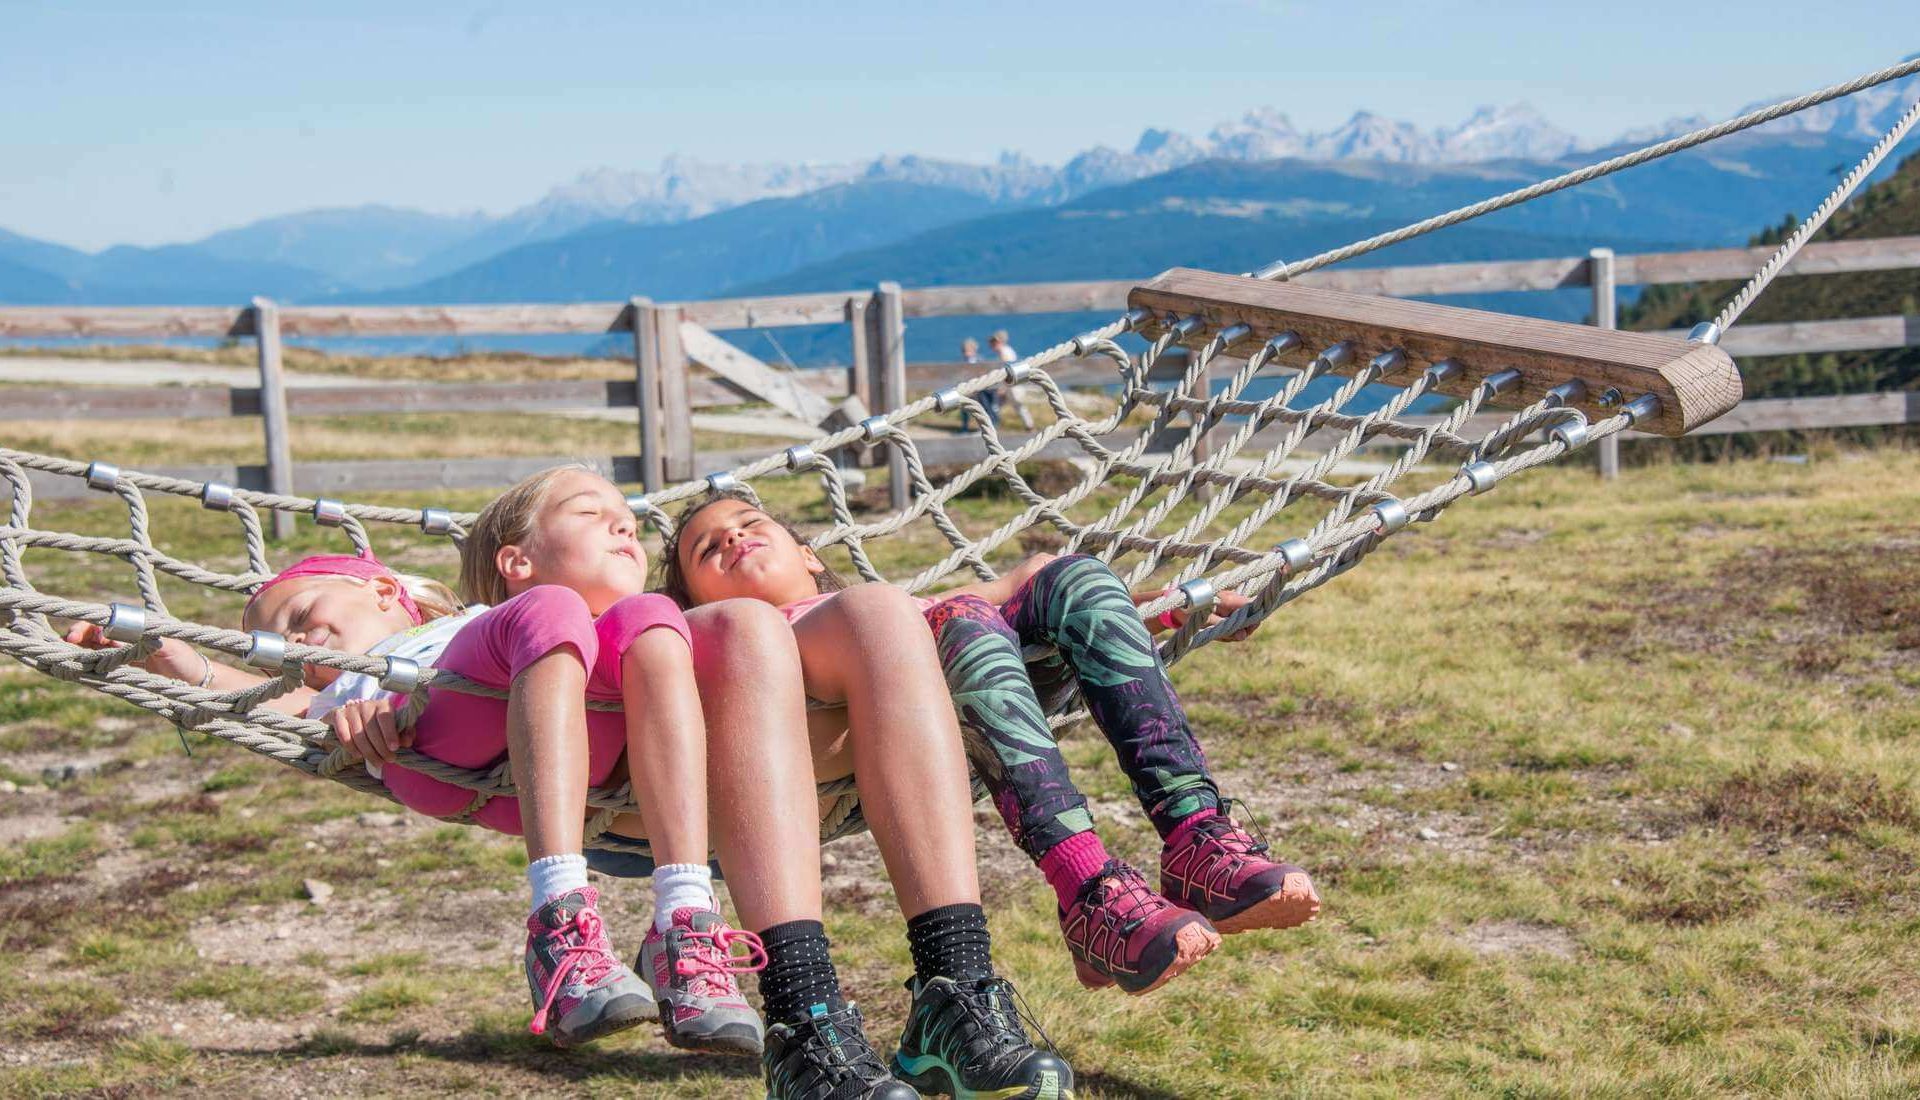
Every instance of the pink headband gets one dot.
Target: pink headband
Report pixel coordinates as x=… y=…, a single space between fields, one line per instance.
x=363 y=566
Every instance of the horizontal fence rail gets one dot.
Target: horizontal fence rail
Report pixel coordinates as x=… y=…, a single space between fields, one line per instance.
x=669 y=339
x=343 y=478
x=212 y=402
x=832 y=307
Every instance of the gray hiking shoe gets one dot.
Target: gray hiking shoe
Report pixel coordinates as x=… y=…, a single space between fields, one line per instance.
x=691 y=967
x=580 y=991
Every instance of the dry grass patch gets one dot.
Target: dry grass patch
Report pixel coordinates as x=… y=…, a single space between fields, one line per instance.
x=1806 y=800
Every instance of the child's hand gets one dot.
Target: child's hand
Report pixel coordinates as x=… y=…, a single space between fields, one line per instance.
x=172 y=658
x=1224 y=604
x=367 y=730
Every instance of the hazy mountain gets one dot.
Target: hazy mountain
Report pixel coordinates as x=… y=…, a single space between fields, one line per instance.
x=357 y=245
x=43 y=256
x=349 y=251
x=614 y=260
x=21 y=283
x=1233 y=216
x=40 y=272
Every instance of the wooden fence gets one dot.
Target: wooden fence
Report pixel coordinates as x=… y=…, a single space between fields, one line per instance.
x=669 y=338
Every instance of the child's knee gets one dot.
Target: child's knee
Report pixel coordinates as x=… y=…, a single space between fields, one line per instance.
x=877 y=604
x=1077 y=563
x=980 y=615
x=741 y=625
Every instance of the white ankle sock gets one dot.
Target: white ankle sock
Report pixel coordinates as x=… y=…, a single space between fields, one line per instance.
x=556 y=875
x=678 y=886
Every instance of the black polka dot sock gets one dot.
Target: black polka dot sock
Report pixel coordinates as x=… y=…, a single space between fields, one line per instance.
x=799 y=971
x=951 y=942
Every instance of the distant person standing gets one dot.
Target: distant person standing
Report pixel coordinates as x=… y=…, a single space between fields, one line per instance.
x=998 y=342
x=989 y=398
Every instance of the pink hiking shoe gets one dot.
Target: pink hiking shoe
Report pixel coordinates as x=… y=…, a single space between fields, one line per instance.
x=691 y=968
x=1120 y=931
x=1217 y=869
x=580 y=991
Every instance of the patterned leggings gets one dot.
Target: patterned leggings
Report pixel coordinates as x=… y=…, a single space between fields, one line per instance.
x=1076 y=605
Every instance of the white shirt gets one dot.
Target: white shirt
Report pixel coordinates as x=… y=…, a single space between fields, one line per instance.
x=420 y=644
x=1008 y=355
x=424 y=644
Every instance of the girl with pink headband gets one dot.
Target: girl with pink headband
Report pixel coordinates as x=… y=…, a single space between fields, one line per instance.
x=574 y=624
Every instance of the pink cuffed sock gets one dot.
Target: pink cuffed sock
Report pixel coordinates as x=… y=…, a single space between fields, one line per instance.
x=1069 y=864
x=1180 y=828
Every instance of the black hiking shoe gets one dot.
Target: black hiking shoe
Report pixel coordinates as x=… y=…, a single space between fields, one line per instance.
x=964 y=1040
x=825 y=1056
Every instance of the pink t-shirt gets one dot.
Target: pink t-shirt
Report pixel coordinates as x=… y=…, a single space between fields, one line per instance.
x=798 y=608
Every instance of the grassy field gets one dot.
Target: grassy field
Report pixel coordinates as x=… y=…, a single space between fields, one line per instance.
x=1610 y=792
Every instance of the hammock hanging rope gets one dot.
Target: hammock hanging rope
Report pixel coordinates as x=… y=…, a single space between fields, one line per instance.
x=1138 y=464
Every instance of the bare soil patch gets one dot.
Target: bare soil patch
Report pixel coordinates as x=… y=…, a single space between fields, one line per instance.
x=1518 y=937
x=1792 y=603
x=1807 y=801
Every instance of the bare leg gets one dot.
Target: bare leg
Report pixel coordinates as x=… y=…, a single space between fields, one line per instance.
x=666 y=746
x=547 y=752
x=869 y=647
x=760 y=779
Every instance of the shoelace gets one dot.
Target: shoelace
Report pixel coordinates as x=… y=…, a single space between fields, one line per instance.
x=978 y=1002
x=831 y=1060
x=596 y=964
x=709 y=961
x=1133 y=900
x=1236 y=839
x=1005 y=1030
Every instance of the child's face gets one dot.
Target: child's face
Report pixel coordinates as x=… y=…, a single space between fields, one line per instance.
x=584 y=538
x=342 y=613
x=732 y=549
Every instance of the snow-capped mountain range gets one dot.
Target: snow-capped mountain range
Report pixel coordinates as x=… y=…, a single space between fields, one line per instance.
x=379 y=249
x=682 y=188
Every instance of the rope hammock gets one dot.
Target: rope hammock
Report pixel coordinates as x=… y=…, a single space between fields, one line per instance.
x=1149 y=497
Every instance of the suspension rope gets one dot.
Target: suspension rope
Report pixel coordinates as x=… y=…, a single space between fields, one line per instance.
x=1281 y=270
x=1791 y=246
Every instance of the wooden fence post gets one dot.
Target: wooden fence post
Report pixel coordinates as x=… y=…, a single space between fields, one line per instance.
x=1202 y=389
x=860 y=318
x=676 y=403
x=273 y=410
x=1600 y=272
x=890 y=384
x=646 y=393
x=660 y=385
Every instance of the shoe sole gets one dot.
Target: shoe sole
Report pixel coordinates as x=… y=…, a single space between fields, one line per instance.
x=1294 y=904
x=1191 y=943
x=938 y=1080
x=619 y=1016
x=742 y=1040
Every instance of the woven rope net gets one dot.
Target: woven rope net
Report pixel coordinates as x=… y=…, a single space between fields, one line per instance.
x=1236 y=488
x=1136 y=500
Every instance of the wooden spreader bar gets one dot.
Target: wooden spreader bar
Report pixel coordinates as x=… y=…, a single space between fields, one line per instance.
x=1693 y=382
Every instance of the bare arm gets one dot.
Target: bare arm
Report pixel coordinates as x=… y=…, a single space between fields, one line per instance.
x=176 y=660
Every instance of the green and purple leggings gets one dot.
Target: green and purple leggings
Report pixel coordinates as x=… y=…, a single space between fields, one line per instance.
x=1101 y=649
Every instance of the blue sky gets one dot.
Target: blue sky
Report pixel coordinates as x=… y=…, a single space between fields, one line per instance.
x=145 y=123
